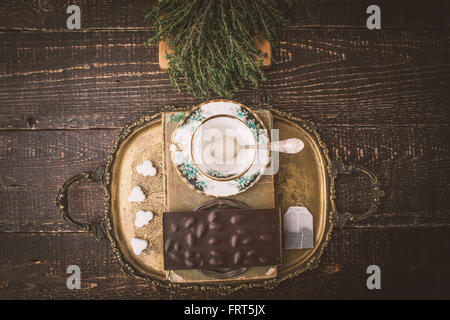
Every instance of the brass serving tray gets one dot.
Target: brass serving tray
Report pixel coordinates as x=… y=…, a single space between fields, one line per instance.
x=305 y=178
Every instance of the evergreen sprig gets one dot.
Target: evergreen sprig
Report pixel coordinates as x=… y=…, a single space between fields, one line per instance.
x=212 y=42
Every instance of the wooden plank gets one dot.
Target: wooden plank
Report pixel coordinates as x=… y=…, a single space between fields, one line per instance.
x=413 y=165
x=334 y=77
x=49 y=158
x=352 y=14
x=34 y=266
x=412 y=260
x=109 y=14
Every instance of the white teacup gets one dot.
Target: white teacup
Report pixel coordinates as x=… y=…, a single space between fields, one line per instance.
x=217 y=147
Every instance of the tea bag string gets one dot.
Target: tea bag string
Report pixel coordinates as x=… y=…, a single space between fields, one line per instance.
x=300 y=224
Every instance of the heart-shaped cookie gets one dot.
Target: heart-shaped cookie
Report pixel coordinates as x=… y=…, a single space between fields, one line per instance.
x=136 y=195
x=138 y=245
x=146 y=168
x=143 y=218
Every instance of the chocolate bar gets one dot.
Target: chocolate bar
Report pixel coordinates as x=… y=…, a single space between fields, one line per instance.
x=222 y=239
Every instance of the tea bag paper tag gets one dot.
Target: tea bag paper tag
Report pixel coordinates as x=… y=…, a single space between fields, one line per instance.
x=298 y=228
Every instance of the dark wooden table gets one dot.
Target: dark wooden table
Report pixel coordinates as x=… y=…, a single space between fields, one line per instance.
x=380 y=99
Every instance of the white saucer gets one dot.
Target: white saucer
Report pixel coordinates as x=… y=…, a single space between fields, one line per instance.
x=210 y=155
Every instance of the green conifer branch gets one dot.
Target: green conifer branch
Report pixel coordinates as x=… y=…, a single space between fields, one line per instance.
x=212 y=42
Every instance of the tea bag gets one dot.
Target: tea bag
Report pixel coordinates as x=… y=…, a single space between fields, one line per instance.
x=298 y=228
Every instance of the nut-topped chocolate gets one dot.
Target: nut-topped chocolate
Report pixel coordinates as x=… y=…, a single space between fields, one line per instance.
x=222 y=239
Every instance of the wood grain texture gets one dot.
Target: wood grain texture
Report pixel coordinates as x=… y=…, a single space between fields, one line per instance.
x=50 y=15
x=405 y=256
x=334 y=77
x=380 y=99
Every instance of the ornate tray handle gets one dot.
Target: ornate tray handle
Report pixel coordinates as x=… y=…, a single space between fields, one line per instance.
x=98 y=229
x=347 y=217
